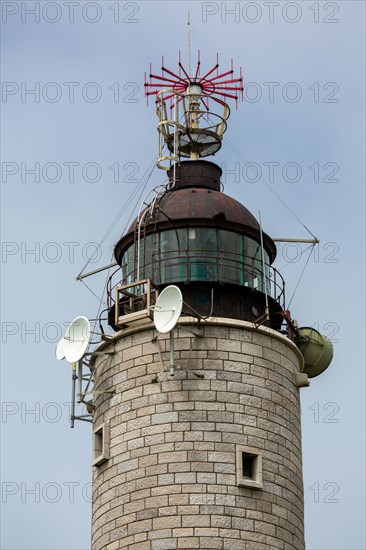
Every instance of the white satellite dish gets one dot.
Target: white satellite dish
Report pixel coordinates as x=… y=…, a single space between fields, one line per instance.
x=76 y=339
x=60 y=349
x=167 y=309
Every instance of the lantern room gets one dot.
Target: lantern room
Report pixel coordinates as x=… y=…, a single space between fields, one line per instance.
x=207 y=243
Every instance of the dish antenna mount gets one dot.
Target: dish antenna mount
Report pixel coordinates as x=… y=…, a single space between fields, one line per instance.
x=167 y=311
x=72 y=347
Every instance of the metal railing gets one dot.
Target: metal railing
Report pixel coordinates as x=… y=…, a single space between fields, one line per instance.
x=182 y=130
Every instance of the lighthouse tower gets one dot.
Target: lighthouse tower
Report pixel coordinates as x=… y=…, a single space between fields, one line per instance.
x=196 y=432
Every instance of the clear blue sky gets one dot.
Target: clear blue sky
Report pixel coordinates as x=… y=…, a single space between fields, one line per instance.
x=89 y=138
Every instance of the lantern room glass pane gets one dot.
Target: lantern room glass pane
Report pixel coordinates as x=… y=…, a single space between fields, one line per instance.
x=203 y=254
x=170 y=258
x=147 y=245
x=128 y=265
x=198 y=254
x=231 y=260
x=253 y=271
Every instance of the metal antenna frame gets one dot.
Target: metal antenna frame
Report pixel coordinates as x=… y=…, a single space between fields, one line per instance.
x=215 y=86
x=77 y=375
x=194 y=89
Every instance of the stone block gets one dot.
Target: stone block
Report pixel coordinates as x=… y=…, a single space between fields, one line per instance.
x=228 y=397
x=127 y=465
x=253 y=350
x=164 y=544
x=195 y=519
x=206 y=477
x=132 y=352
x=188 y=543
x=140 y=546
x=185 y=477
x=170 y=457
x=211 y=543
x=167 y=522
x=164 y=418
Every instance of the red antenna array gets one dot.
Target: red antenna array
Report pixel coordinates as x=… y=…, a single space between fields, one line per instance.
x=217 y=86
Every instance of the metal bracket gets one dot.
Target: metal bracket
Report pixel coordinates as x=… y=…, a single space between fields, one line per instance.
x=258 y=322
x=178 y=367
x=93 y=392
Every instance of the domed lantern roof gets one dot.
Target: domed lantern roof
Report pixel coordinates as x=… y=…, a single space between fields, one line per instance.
x=193 y=198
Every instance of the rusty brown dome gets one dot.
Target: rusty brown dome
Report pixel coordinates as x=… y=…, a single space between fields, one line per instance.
x=199 y=204
x=194 y=199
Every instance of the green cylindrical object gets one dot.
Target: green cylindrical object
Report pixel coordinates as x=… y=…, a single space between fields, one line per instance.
x=317 y=350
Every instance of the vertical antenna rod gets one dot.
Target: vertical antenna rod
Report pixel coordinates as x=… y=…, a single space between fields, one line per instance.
x=172 y=366
x=189 y=44
x=73 y=387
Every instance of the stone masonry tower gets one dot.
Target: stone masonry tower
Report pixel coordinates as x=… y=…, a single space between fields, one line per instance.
x=209 y=456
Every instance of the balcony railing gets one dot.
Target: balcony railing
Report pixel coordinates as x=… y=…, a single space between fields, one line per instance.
x=185 y=266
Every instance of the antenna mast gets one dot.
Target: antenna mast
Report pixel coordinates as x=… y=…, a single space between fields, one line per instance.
x=188 y=126
x=189 y=44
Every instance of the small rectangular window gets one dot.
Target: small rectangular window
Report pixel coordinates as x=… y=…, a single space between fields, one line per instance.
x=249 y=467
x=100 y=444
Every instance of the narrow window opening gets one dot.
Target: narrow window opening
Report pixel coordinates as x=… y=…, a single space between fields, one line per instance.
x=248 y=462
x=249 y=467
x=100 y=444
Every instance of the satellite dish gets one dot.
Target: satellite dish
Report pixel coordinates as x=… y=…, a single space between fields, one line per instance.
x=76 y=339
x=317 y=350
x=168 y=308
x=60 y=349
